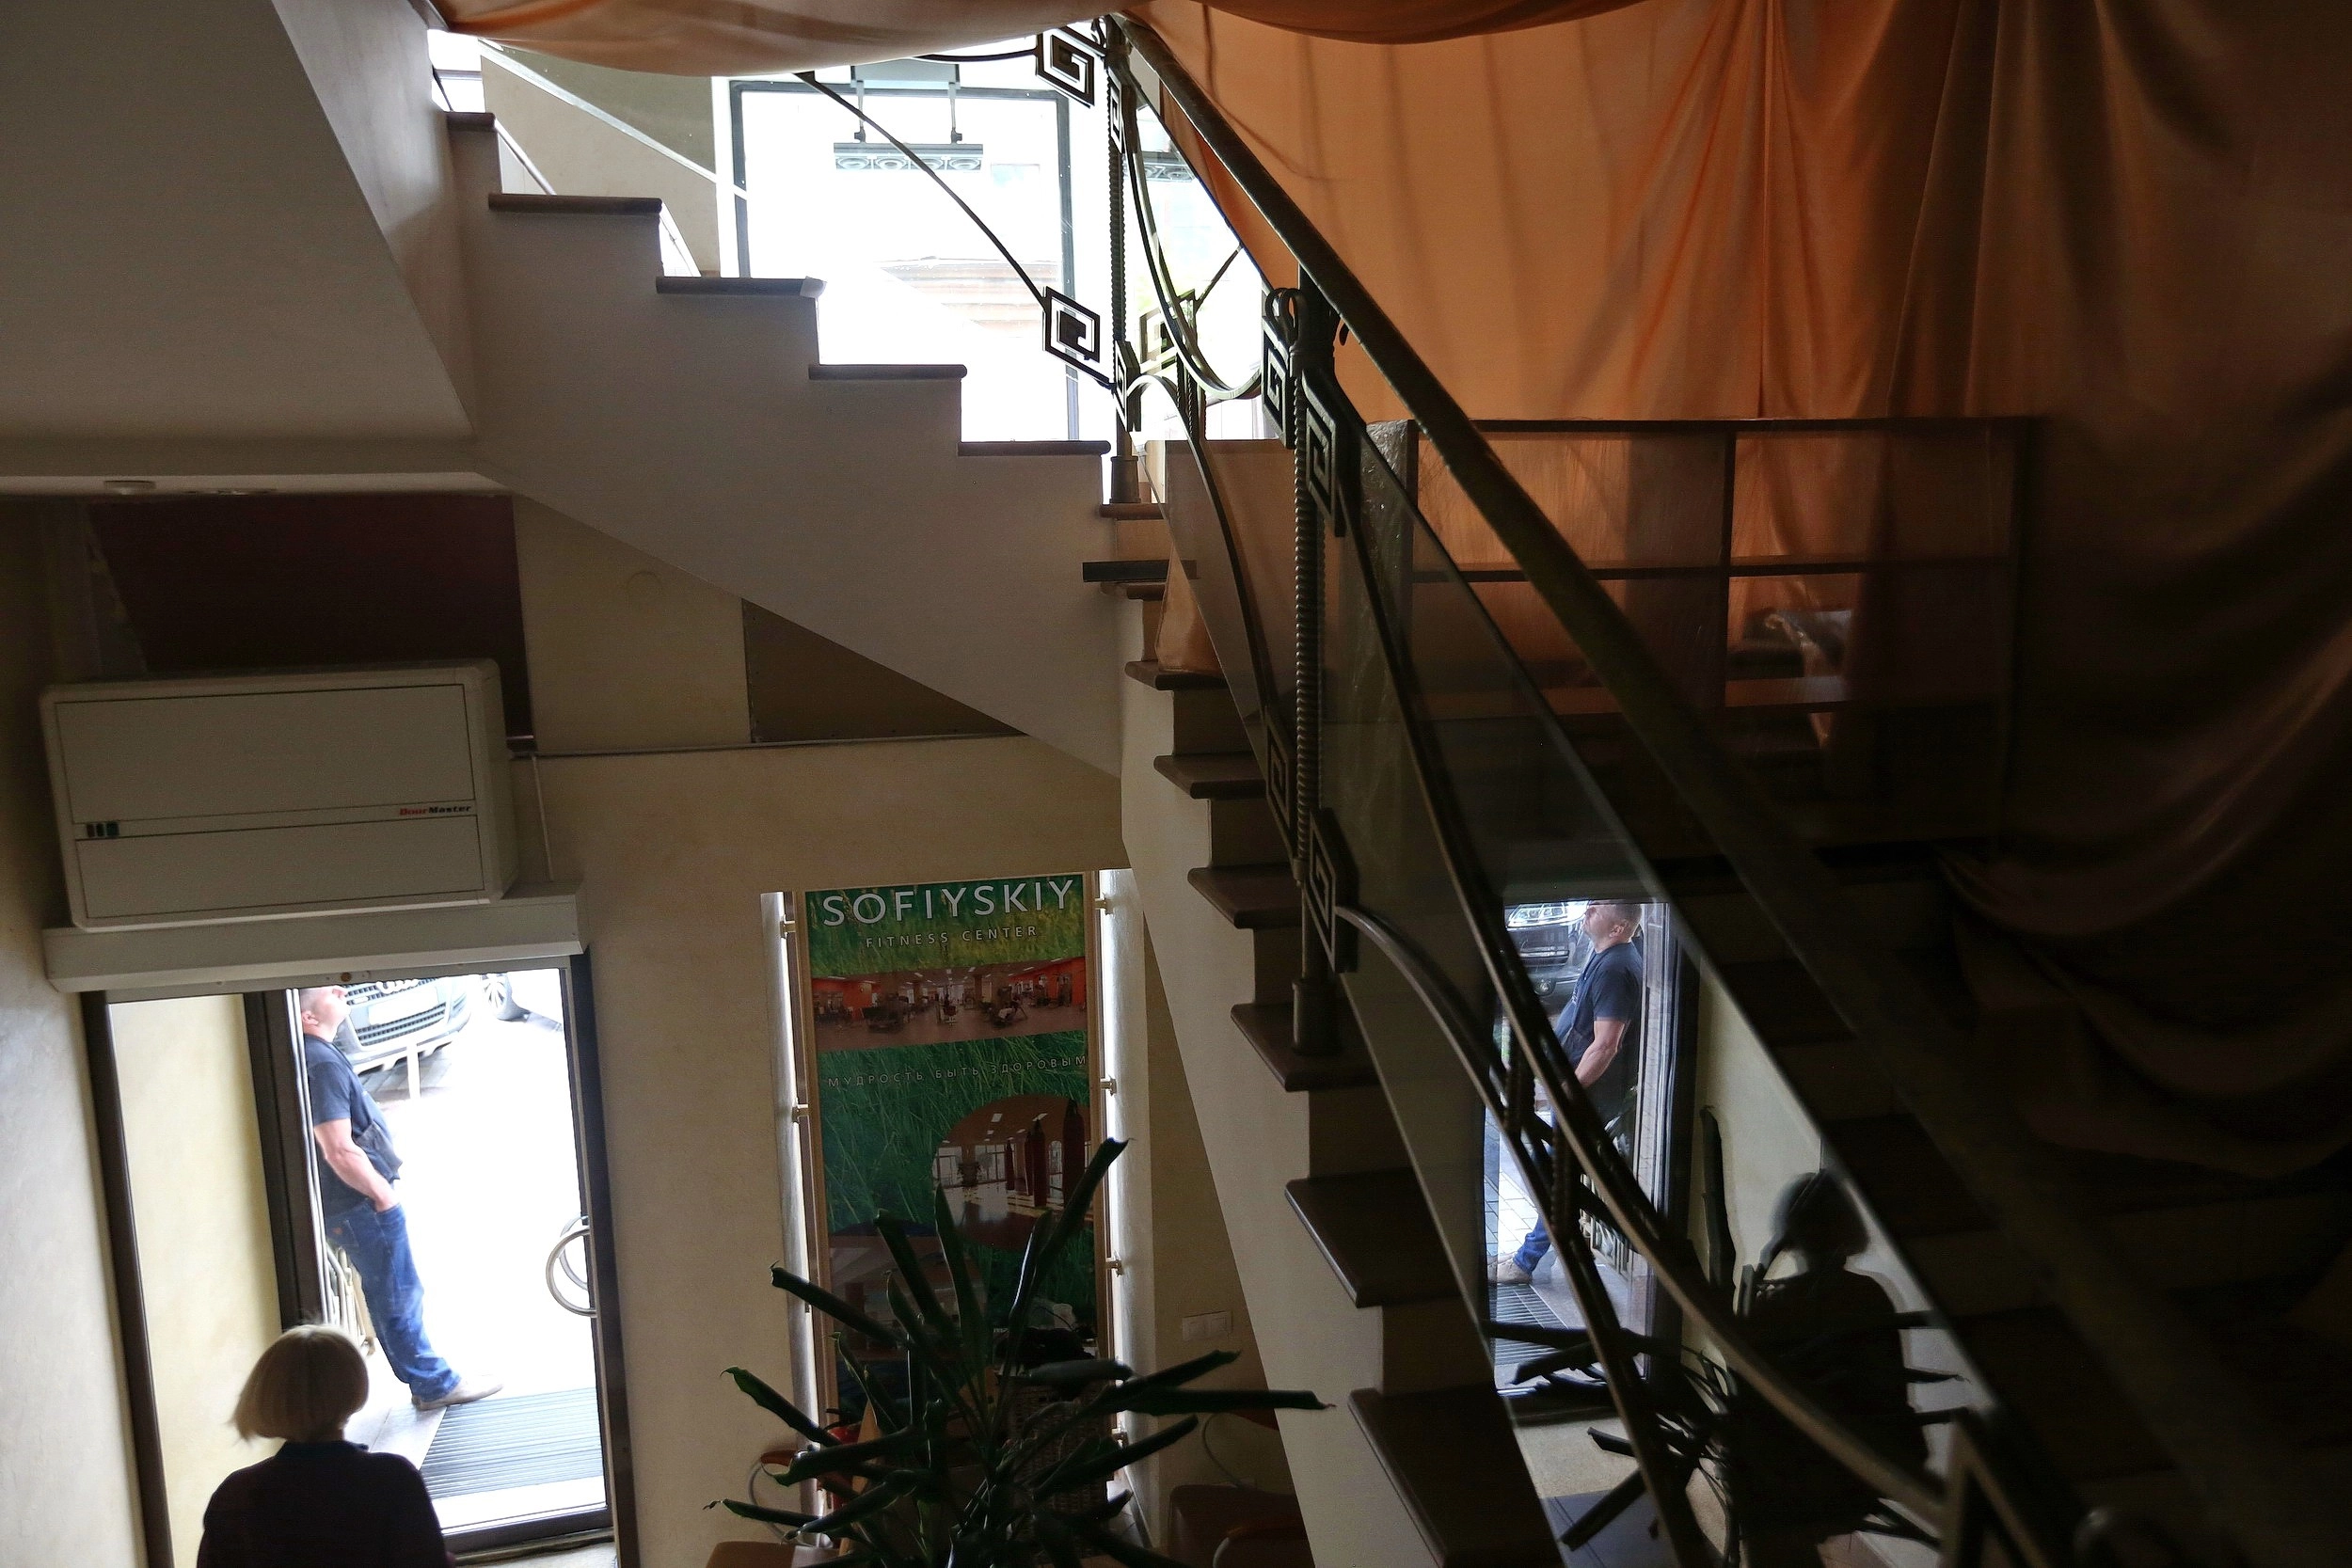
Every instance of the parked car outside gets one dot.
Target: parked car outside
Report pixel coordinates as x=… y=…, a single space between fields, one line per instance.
x=392 y=1018
x=523 y=993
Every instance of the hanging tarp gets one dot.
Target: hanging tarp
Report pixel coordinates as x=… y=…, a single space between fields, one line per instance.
x=2128 y=217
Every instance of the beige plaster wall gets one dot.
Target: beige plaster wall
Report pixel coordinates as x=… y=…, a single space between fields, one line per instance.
x=624 y=651
x=203 y=1232
x=673 y=852
x=64 y=1453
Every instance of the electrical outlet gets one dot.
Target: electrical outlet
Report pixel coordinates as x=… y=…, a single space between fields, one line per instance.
x=1208 y=1326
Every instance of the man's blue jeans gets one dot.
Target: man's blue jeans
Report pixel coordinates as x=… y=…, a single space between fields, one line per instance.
x=1533 y=1249
x=377 y=1245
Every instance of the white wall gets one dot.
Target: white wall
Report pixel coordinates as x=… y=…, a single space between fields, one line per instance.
x=205 y=1260
x=188 y=250
x=672 y=851
x=688 y=428
x=63 y=1452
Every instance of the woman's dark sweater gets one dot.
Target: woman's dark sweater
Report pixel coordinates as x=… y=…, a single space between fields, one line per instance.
x=322 y=1505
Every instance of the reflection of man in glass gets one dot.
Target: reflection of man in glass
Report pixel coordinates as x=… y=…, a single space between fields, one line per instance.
x=362 y=1215
x=1599 y=1027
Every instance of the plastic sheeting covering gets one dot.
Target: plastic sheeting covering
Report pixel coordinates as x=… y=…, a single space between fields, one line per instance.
x=2129 y=217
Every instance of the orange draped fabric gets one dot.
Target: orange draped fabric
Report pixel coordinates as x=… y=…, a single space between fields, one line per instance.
x=2130 y=217
x=721 y=38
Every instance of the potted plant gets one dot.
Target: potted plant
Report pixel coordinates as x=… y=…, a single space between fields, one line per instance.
x=987 y=1461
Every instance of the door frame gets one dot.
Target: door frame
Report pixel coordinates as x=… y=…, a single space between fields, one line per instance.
x=298 y=1246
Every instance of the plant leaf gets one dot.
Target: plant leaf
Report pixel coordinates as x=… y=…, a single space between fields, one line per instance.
x=848 y=1456
x=1184 y=1372
x=1181 y=1401
x=925 y=1301
x=884 y=1416
x=1105 y=1465
x=1608 y=1442
x=767 y=1515
x=780 y=1407
x=1602 y=1514
x=1076 y=1374
x=866 y=1504
x=829 y=1305
x=968 y=1315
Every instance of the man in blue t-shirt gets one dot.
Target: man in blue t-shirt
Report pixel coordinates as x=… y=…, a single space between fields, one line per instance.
x=363 y=1213
x=1601 y=1027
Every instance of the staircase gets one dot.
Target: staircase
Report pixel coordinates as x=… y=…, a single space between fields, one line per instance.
x=694 y=419
x=1349 y=1288
x=2103 y=1366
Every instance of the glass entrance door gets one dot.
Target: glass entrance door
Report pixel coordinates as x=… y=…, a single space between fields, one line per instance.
x=445 y=1163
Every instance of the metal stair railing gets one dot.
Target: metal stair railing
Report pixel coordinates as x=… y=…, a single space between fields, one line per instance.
x=2251 y=1481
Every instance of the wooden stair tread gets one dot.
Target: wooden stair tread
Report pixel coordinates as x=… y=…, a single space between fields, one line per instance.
x=1375 y=1230
x=2043 y=1372
x=1147 y=570
x=887 y=372
x=1033 y=449
x=575 y=206
x=1214 y=775
x=741 y=287
x=1147 y=671
x=1253 y=897
x=1452 y=1457
x=1266 y=1025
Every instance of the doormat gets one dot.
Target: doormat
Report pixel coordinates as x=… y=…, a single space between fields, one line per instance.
x=528 y=1440
x=1518 y=1303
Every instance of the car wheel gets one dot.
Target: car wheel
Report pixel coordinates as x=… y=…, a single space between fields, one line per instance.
x=499 y=993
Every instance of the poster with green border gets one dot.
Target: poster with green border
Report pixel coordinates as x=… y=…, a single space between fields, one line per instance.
x=951 y=1048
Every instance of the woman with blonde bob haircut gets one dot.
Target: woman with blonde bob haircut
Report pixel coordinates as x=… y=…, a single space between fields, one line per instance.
x=318 y=1503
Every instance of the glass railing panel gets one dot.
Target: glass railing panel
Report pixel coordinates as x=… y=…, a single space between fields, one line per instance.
x=1557 y=884
x=1255 y=477
x=1845 y=617
x=1194 y=497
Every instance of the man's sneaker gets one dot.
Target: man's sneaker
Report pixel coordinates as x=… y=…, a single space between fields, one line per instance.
x=465 y=1393
x=1506 y=1271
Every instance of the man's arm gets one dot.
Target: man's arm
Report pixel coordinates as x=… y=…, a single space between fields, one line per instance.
x=1608 y=1035
x=350 y=1162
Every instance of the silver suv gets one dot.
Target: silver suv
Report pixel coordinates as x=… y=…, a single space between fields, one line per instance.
x=392 y=1018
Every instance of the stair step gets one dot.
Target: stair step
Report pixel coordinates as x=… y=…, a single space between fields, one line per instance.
x=1375 y=1230
x=577 y=206
x=2174 y=1248
x=471 y=120
x=1130 y=511
x=2052 y=1379
x=1452 y=1457
x=1147 y=671
x=759 y=288
x=1033 y=449
x=1266 y=1025
x=1153 y=570
x=887 y=372
x=1253 y=897
x=1214 y=775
